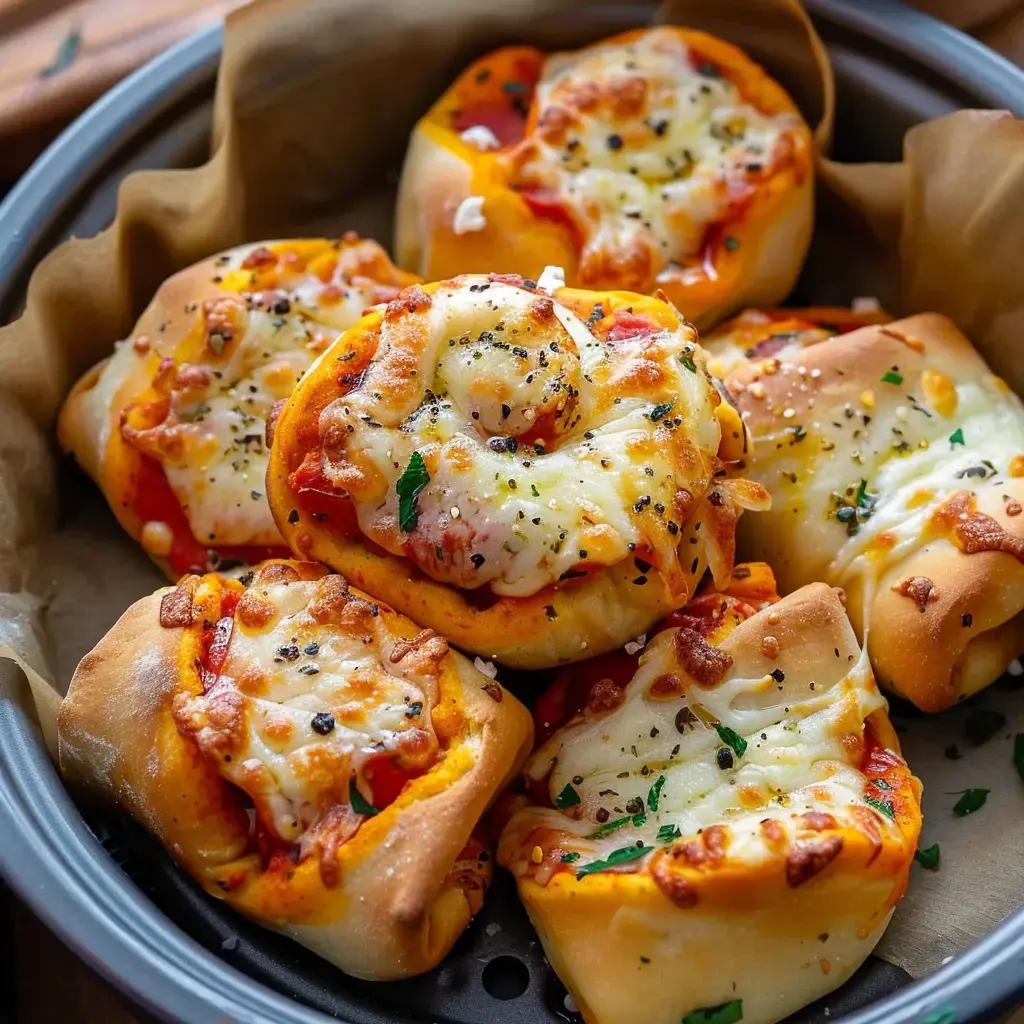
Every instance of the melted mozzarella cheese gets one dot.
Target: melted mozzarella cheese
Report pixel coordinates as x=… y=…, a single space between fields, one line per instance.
x=648 y=145
x=899 y=445
x=795 y=759
x=279 y=676
x=494 y=371
x=214 y=454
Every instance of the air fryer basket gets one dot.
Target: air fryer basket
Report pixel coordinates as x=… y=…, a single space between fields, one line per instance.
x=109 y=889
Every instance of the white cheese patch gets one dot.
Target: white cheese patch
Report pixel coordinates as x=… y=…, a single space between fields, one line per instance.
x=469 y=217
x=481 y=136
x=551 y=279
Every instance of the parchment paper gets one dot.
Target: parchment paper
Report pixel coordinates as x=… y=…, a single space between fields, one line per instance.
x=315 y=102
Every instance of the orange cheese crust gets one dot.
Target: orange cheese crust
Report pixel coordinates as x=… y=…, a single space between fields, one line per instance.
x=537 y=475
x=172 y=426
x=661 y=158
x=735 y=826
x=895 y=461
x=307 y=754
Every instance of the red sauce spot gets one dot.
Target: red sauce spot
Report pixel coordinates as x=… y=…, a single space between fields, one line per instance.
x=386 y=780
x=507 y=123
x=152 y=500
x=629 y=325
x=550 y=206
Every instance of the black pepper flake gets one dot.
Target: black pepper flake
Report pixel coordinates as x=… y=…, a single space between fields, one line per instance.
x=506 y=411
x=577 y=780
x=549 y=610
x=309 y=670
x=311 y=648
x=293 y=516
x=477 y=560
x=639 y=581
x=615 y=142
x=288 y=652
x=635 y=805
x=246 y=578
x=323 y=722
x=255 y=495
x=967 y=620
x=602 y=815
x=723 y=757
x=778 y=675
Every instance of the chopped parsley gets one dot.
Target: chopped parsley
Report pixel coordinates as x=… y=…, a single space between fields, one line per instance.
x=655 y=794
x=952 y=752
x=567 y=798
x=620 y=856
x=358 y=801
x=863 y=499
x=731 y=739
x=688 y=362
x=659 y=412
x=409 y=485
x=569 y=858
x=892 y=377
x=534 y=491
x=727 y=1013
x=669 y=833
x=928 y=857
x=731 y=244
x=603 y=830
x=957 y=437
x=971 y=800
x=982 y=724
x=1018 y=753
x=882 y=806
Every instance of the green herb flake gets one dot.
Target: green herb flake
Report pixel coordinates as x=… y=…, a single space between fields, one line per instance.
x=952 y=752
x=67 y=54
x=534 y=491
x=882 y=806
x=971 y=800
x=957 y=437
x=727 y=1013
x=567 y=798
x=620 y=856
x=603 y=830
x=655 y=794
x=731 y=739
x=982 y=724
x=688 y=362
x=731 y=244
x=891 y=377
x=358 y=801
x=669 y=833
x=570 y=858
x=928 y=857
x=863 y=499
x=943 y=1015
x=409 y=485
x=1018 y=753
x=659 y=412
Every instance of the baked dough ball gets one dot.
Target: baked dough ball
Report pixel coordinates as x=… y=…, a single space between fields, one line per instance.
x=305 y=753
x=661 y=158
x=172 y=426
x=724 y=836
x=895 y=461
x=536 y=472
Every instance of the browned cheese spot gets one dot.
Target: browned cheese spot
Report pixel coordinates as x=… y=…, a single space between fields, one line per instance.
x=808 y=859
x=919 y=589
x=706 y=664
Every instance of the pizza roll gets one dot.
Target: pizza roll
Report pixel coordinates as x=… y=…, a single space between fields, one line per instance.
x=895 y=461
x=727 y=832
x=305 y=753
x=172 y=426
x=661 y=158
x=537 y=476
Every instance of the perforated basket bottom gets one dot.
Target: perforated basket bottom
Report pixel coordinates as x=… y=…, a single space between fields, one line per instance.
x=497 y=969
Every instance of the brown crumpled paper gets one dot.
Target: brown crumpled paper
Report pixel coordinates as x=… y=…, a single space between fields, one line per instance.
x=314 y=105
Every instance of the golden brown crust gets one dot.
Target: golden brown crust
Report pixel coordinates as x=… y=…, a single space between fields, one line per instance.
x=558 y=513
x=755 y=253
x=773 y=898
x=407 y=883
x=171 y=426
x=892 y=454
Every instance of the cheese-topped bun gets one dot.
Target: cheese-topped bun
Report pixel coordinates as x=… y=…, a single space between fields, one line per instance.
x=662 y=158
x=725 y=834
x=307 y=754
x=536 y=472
x=172 y=426
x=895 y=459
